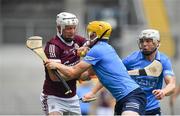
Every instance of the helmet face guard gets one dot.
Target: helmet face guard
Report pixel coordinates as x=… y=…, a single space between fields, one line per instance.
x=149 y=34
x=92 y=36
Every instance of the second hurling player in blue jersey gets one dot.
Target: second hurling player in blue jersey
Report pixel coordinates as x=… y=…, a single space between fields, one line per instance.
x=149 y=41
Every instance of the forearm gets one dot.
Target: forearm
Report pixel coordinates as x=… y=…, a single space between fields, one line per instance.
x=177 y=91
x=170 y=87
x=67 y=72
x=87 y=75
x=71 y=72
x=54 y=78
x=98 y=87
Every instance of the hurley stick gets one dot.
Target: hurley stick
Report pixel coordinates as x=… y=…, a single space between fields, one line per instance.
x=35 y=44
x=154 y=69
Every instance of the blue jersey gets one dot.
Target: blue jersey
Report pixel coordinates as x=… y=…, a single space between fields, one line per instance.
x=110 y=70
x=136 y=60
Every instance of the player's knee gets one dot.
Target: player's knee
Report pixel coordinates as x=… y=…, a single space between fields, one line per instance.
x=55 y=114
x=129 y=113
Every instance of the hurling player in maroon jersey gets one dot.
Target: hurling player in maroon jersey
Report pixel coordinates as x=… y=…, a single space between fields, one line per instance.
x=62 y=48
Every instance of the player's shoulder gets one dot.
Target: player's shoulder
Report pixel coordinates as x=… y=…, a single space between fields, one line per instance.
x=135 y=54
x=55 y=42
x=54 y=39
x=102 y=48
x=163 y=57
x=133 y=57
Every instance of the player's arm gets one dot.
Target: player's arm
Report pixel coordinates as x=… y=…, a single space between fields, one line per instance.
x=177 y=90
x=167 y=90
x=170 y=85
x=70 y=72
x=169 y=79
x=94 y=91
x=53 y=77
x=53 y=53
x=86 y=76
x=174 y=95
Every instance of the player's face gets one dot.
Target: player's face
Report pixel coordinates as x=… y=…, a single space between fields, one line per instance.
x=92 y=35
x=147 y=45
x=68 y=32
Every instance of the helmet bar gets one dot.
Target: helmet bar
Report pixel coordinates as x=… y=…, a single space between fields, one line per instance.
x=69 y=18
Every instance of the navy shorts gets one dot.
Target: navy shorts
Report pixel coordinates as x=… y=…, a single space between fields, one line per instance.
x=134 y=101
x=156 y=112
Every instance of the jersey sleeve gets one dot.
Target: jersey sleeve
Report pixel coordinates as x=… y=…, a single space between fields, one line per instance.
x=92 y=56
x=127 y=61
x=52 y=52
x=167 y=68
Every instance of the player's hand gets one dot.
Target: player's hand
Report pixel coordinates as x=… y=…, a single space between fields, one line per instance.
x=159 y=94
x=82 y=51
x=51 y=65
x=89 y=95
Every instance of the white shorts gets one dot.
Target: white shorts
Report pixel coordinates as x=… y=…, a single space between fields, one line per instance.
x=65 y=106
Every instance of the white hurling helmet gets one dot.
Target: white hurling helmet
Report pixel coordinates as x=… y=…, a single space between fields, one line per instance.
x=150 y=34
x=66 y=18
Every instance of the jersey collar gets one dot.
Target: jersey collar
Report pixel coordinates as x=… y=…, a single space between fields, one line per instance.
x=157 y=57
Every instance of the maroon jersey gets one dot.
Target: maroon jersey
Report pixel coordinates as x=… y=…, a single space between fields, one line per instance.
x=65 y=53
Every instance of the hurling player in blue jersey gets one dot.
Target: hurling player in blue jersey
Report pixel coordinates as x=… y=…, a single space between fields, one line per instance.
x=149 y=42
x=111 y=72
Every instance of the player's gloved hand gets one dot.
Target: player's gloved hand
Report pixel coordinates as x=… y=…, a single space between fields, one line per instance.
x=51 y=64
x=82 y=51
x=159 y=94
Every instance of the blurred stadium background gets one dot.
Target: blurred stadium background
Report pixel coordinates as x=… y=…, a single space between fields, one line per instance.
x=21 y=72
